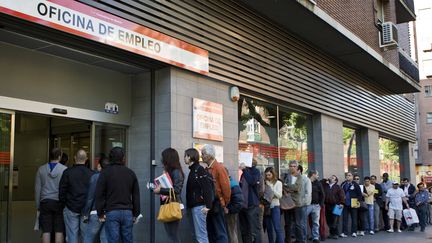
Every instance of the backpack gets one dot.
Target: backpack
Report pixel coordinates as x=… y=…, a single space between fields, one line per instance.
x=208 y=181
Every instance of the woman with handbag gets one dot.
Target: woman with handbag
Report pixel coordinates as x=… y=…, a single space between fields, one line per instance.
x=171 y=163
x=273 y=220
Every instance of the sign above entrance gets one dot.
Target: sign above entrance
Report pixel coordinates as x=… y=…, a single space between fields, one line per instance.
x=85 y=21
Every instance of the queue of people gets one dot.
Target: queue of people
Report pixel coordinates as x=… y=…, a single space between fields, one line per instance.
x=86 y=205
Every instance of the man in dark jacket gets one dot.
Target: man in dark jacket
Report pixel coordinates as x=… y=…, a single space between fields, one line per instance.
x=232 y=210
x=118 y=198
x=249 y=215
x=378 y=201
x=73 y=189
x=317 y=202
x=334 y=197
x=353 y=195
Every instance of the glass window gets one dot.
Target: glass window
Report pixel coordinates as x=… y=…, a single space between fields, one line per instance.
x=275 y=135
x=107 y=137
x=428 y=90
x=389 y=158
x=379 y=13
x=293 y=139
x=350 y=150
x=430 y=144
x=258 y=131
x=429 y=117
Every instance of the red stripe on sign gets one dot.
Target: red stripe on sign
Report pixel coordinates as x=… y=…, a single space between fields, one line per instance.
x=95 y=38
x=4 y=158
x=82 y=8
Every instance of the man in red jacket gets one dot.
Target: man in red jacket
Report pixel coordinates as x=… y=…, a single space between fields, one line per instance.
x=215 y=219
x=334 y=197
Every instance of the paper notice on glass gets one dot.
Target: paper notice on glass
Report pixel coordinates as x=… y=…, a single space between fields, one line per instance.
x=245 y=158
x=164 y=181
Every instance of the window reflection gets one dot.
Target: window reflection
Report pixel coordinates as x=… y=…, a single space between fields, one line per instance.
x=389 y=158
x=350 y=150
x=293 y=139
x=274 y=139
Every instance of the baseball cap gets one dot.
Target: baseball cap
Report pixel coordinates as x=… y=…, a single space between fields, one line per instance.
x=395 y=183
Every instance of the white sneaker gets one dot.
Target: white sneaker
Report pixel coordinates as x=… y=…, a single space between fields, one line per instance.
x=399 y=231
x=371 y=232
x=354 y=235
x=343 y=235
x=361 y=233
x=390 y=230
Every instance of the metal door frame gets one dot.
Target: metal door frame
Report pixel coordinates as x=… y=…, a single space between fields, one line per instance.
x=11 y=164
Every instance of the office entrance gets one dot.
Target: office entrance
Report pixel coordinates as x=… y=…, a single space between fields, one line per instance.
x=25 y=142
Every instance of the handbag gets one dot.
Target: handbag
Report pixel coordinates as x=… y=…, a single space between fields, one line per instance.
x=286 y=202
x=170 y=211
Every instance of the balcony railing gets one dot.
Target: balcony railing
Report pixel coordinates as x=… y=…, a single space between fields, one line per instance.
x=408 y=66
x=405 y=11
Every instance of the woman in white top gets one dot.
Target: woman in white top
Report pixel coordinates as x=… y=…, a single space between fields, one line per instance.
x=273 y=220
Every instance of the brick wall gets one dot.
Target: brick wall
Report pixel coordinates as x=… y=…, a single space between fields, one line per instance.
x=359 y=18
x=425 y=106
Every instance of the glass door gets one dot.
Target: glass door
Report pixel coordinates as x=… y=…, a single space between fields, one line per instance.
x=106 y=137
x=6 y=169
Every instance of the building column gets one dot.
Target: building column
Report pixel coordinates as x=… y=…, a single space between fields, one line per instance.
x=328 y=146
x=407 y=161
x=368 y=153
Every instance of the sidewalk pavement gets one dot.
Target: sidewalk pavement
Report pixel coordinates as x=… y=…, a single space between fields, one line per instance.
x=385 y=237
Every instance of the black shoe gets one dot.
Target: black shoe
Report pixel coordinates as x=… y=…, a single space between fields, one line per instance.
x=335 y=237
x=316 y=241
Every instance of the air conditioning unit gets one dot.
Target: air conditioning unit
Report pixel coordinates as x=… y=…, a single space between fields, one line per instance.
x=388 y=35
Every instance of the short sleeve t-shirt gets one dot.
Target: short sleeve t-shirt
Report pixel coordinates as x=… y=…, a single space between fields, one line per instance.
x=395 y=197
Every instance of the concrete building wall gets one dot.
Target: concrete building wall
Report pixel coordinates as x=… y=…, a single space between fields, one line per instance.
x=328 y=146
x=139 y=141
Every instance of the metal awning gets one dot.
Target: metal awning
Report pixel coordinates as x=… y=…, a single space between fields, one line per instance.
x=313 y=25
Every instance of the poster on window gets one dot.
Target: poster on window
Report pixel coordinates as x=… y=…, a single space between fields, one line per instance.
x=207 y=120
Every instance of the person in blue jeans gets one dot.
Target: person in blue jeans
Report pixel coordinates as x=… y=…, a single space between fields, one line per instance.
x=199 y=194
x=94 y=228
x=314 y=209
x=421 y=201
x=273 y=221
x=73 y=190
x=117 y=198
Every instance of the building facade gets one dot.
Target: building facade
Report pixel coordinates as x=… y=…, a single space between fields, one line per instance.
x=424 y=97
x=155 y=74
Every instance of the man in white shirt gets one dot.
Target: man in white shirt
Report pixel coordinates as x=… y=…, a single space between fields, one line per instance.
x=393 y=204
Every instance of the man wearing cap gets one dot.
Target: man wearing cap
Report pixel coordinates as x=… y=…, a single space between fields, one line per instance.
x=394 y=198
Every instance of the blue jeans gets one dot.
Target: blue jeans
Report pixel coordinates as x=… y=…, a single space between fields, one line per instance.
x=118 y=225
x=273 y=222
x=216 y=226
x=422 y=215
x=371 y=215
x=314 y=210
x=199 y=224
x=73 y=225
x=93 y=229
x=300 y=224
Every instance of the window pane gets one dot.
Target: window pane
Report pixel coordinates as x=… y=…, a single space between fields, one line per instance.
x=428 y=90
x=258 y=131
x=429 y=117
x=389 y=158
x=430 y=144
x=293 y=139
x=350 y=150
